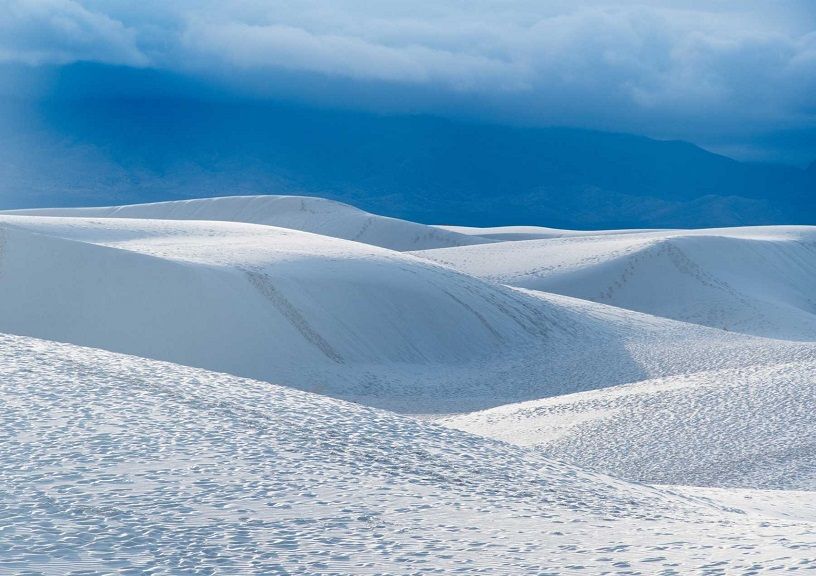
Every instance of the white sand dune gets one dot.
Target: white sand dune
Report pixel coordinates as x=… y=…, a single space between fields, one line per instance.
x=759 y=281
x=749 y=427
x=513 y=233
x=562 y=368
x=307 y=213
x=333 y=316
x=117 y=464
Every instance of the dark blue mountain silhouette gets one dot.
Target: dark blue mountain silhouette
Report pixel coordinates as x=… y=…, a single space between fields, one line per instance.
x=114 y=149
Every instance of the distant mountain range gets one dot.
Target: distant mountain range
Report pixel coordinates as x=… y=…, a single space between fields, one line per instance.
x=101 y=151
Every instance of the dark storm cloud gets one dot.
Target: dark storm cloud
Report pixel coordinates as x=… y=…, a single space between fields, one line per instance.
x=687 y=69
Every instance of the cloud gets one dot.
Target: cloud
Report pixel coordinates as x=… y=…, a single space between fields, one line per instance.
x=63 y=31
x=670 y=68
x=272 y=46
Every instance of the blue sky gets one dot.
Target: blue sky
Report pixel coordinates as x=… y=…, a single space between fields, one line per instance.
x=734 y=76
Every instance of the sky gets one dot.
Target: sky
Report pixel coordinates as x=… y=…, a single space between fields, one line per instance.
x=737 y=77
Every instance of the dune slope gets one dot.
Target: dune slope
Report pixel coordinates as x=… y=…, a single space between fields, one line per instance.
x=333 y=316
x=306 y=213
x=120 y=464
x=759 y=281
x=741 y=428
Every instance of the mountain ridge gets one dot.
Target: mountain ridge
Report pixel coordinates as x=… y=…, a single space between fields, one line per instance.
x=92 y=150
